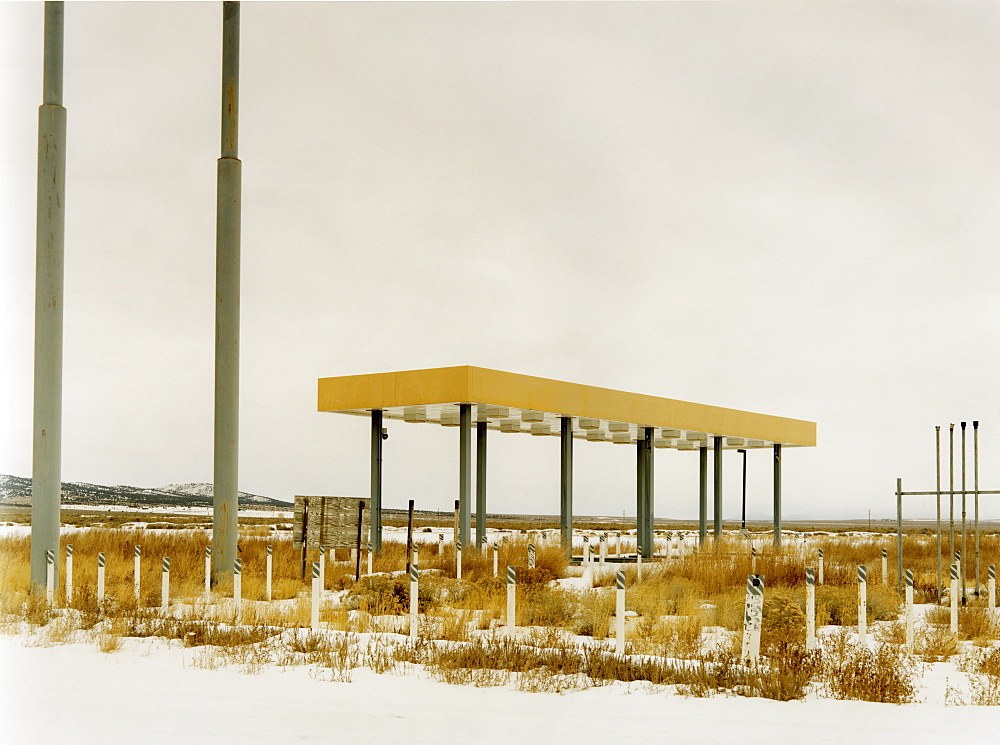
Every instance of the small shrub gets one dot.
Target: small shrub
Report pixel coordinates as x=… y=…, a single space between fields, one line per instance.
x=883 y=676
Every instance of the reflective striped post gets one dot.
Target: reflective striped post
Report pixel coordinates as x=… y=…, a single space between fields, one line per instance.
x=752 y=617
x=267 y=569
x=314 y=615
x=440 y=544
x=586 y=549
x=909 y=610
x=165 y=583
x=753 y=559
x=618 y=543
x=370 y=560
x=238 y=588
x=496 y=560
x=531 y=556
x=862 y=605
x=819 y=553
x=137 y=574
x=954 y=598
x=885 y=567
x=69 y=573
x=322 y=567
x=100 y=580
x=604 y=548
x=620 y=612
x=810 y=609
x=991 y=586
x=50 y=575
x=458 y=559
x=208 y=569
x=958 y=563
x=511 y=597
x=414 y=596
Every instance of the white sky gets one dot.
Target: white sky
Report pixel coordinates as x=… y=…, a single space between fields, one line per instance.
x=785 y=208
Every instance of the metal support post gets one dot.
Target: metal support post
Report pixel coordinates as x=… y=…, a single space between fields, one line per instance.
x=937 y=441
x=640 y=500
x=227 y=307
x=464 y=472
x=375 y=518
x=702 y=495
x=717 y=506
x=899 y=535
x=965 y=544
x=951 y=488
x=648 y=483
x=46 y=463
x=566 y=483
x=481 y=485
x=776 y=517
x=975 y=486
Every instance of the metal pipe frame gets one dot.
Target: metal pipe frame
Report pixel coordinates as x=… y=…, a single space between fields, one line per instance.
x=717 y=505
x=776 y=517
x=46 y=462
x=481 y=485
x=702 y=495
x=566 y=483
x=225 y=488
x=375 y=518
x=464 y=473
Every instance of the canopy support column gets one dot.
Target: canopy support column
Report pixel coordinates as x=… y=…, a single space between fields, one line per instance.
x=375 y=517
x=481 y=485
x=464 y=472
x=777 y=495
x=702 y=495
x=566 y=483
x=717 y=508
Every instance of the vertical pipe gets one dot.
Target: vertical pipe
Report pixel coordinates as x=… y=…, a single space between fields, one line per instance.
x=702 y=496
x=899 y=534
x=227 y=306
x=375 y=519
x=975 y=486
x=566 y=483
x=965 y=544
x=46 y=463
x=481 y=485
x=937 y=442
x=717 y=505
x=951 y=488
x=650 y=490
x=465 y=473
x=777 y=495
x=640 y=498
x=743 y=511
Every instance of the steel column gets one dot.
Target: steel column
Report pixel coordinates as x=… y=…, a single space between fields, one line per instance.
x=648 y=483
x=640 y=498
x=481 y=485
x=566 y=483
x=375 y=517
x=776 y=515
x=464 y=472
x=717 y=505
x=46 y=463
x=702 y=495
x=975 y=486
x=951 y=489
x=227 y=308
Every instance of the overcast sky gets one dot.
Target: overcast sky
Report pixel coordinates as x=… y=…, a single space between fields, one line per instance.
x=784 y=208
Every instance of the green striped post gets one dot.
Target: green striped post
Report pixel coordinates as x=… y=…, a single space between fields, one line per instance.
x=819 y=556
x=811 y=642
x=458 y=558
x=531 y=556
x=238 y=586
x=954 y=597
x=620 y=612
x=414 y=597
x=909 y=609
x=267 y=570
x=69 y=573
x=496 y=560
x=862 y=605
x=371 y=557
x=991 y=586
x=511 y=594
x=885 y=567
x=100 y=579
x=322 y=567
x=208 y=569
x=603 y=547
x=50 y=575
x=136 y=573
x=314 y=616
x=165 y=583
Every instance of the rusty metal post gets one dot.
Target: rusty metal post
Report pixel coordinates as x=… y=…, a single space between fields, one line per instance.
x=46 y=466
x=227 y=307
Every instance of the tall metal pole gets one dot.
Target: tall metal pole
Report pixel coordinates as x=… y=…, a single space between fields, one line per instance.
x=776 y=516
x=743 y=512
x=951 y=489
x=566 y=483
x=464 y=472
x=640 y=500
x=975 y=482
x=227 y=307
x=965 y=545
x=647 y=481
x=481 y=485
x=717 y=505
x=46 y=464
x=375 y=519
x=937 y=440
x=702 y=495
x=899 y=535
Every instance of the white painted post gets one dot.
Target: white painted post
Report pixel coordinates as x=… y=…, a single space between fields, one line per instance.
x=137 y=575
x=810 y=609
x=885 y=567
x=752 y=618
x=753 y=559
x=208 y=569
x=604 y=548
x=586 y=549
x=638 y=563
x=69 y=573
x=371 y=559
x=819 y=553
x=620 y=612
x=414 y=596
x=674 y=545
x=314 y=615
x=165 y=584
x=440 y=544
x=496 y=553
x=238 y=588
x=958 y=563
x=862 y=605
x=954 y=598
x=511 y=595
x=322 y=567
x=531 y=556
x=458 y=559
x=909 y=610
x=618 y=543
x=267 y=569
x=991 y=586
x=50 y=575
x=100 y=580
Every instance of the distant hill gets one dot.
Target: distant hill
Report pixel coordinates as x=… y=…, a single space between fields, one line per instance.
x=15 y=490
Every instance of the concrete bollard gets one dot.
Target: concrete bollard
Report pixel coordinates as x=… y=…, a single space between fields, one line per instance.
x=100 y=580
x=531 y=556
x=909 y=610
x=991 y=586
x=752 y=618
x=165 y=584
x=50 y=575
x=371 y=559
x=604 y=548
x=819 y=554
x=458 y=559
x=137 y=574
x=862 y=605
x=811 y=643
x=885 y=567
x=238 y=588
x=208 y=570
x=496 y=554
x=414 y=597
x=954 y=598
x=322 y=567
x=267 y=571
x=620 y=612
x=316 y=584
x=69 y=573
x=511 y=597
